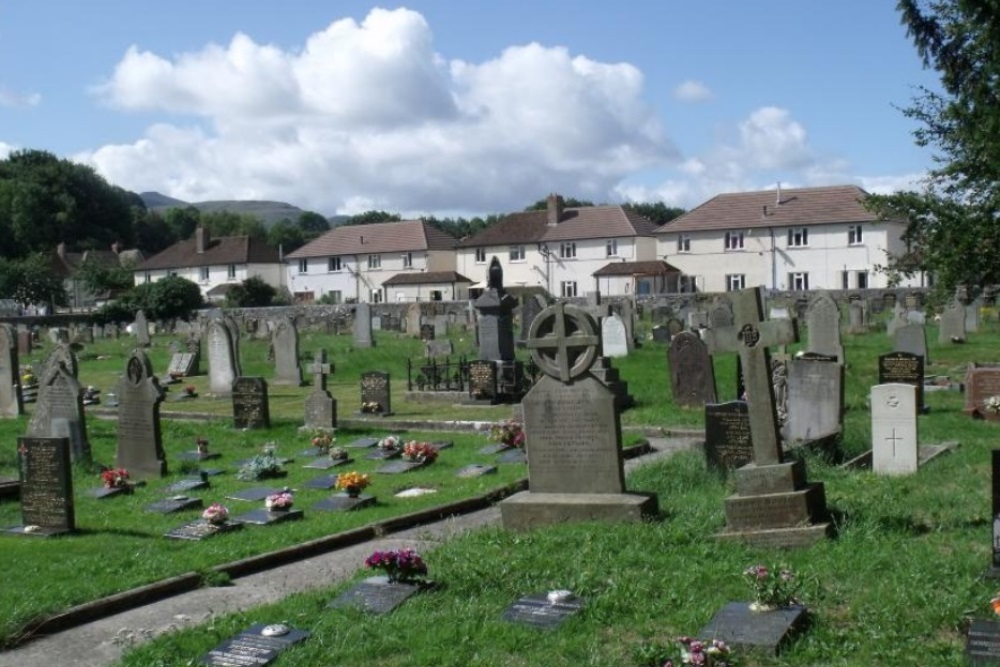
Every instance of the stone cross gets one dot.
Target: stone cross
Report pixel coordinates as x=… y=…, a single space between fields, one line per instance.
x=320 y=369
x=568 y=349
x=751 y=336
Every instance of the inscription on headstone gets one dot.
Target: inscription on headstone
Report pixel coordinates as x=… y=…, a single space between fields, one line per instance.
x=250 y=404
x=483 y=380
x=727 y=435
x=376 y=392
x=692 y=377
x=903 y=367
x=46 y=485
x=140 y=442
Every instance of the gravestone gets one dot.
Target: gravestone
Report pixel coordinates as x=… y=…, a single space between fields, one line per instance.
x=614 y=337
x=376 y=595
x=140 y=441
x=175 y=504
x=496 y=322
x=539 y=611
x=727 y=435
x=692 y=378
x=994 y=570
x=573 y=428
x=773 y=504
x=483 y=380
x=141 y=329
x=11 y=401
x=897 y=320
x=46 y=486
x=746 y=631
x=376 y=390
x=906 y=368
x=440 y=326
x=856 y=317
x=62 y=354
x=660 y=334
x=911 y=338
x=916 y=317
x=697 y=319
x=721 y=314
x=223 y=364
x=815 y=395
x=250 y=404
x=434 y=349
x=285 y=341
x=628 y=315
x=181 y=364
x=952 y=325
x=363 y=326
x=530 y=307
x=982 y=644
x=426 y=332
x=321 y=407
x=894 y=429
x=24 y=342
x=412 y=319
x=674 y=326
x=59 y=410
x=982 y=382
x=972 y=316
x=823 y=322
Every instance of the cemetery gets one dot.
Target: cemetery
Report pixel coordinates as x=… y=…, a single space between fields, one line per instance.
x=880 y=507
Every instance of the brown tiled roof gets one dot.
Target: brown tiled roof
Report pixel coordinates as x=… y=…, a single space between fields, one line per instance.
x=426 y=278
x=222 y=250
x=590 y=222
x=800 y=206
x=651 y=268
x=402 y=236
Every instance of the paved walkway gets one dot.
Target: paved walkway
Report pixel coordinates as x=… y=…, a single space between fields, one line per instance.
x=103 y=641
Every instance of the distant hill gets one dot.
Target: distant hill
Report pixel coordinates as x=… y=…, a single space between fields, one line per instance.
x=269 y=212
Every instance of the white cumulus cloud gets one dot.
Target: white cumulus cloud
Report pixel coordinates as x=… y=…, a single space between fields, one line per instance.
x=13 y=100
x=692 y=91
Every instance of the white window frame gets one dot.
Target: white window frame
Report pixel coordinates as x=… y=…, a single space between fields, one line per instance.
x=336 y=297
x=683 y=243
x=734 y=240
x=516 y=253
x=567 y=288
x=407 y=260
x=611 y=248
x=375 y=295
x=855 y=234
x=204 y=273
x=374 y=262
x=231 y=272
x=798 y=281
x=567 y=250
x=480 y=255
x=334 y=264
x=735 y=282
x=798 y=237
x=303 y=265
x=146 y=276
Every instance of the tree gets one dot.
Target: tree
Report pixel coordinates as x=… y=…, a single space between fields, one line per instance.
x=313 y=224
x=953 y=226
x=31 y=280
x=169 y=298
x=98 y=277
x=568 y=202
x=251 y=293
x=656 y=212
x=286 y=235
x=370 y=217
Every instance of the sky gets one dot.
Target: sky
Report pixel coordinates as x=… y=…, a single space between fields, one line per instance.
x=464 y=107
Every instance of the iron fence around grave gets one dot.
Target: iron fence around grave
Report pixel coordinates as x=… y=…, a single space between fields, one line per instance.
x=513 y=378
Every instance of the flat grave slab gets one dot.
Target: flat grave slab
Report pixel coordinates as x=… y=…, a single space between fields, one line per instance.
x=256 y=646
x=399 y=467
x=538 y=612
x=175 y=504
x=513 y=456
x=210 y=472
x=494 y=448
x=982 y=644
x=323 y=482
x=199 y=530
x=376 y=595
x=441 y=444
x=476 y=470
x=326 y=463
x=198 y=456
x=746 y=630
x=383 y=454
x=343 y=503
x=363 y=443
x=254 y=494
x=309 y=453
x=103 y=492
x=263 y=517
x=189 y=484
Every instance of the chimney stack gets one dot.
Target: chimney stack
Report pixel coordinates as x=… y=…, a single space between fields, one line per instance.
x=555 y=209
x=777 y=198
x=201 y=239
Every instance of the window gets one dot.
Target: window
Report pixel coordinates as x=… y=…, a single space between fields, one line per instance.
x=735 y=281
x=333 y=264
x=688 y=284
x=798 y=237
x=407 y=260
x=146 y=277
x=203 y=274
x=436 y=295
x=734 y=240
x=374 y=262
x=231 y=272
x=845 y=280
x=612 y=248
x=568 y=288
x=854 y=235
x=684 y=243
x=798 y=281
x=567 y=249
x=480 y=255
x=303 y=265
x=375 y=295
x=172 y=273
x=862 y=280
x=516 y=253
x=335 y=297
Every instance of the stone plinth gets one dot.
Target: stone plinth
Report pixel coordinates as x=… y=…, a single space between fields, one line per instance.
x=527 y=510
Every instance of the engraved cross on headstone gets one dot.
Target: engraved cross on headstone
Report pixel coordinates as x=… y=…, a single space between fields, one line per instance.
x=893 y=439
x=320 y=369
x=751 y=336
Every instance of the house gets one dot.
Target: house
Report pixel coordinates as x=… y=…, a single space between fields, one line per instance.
x=561 y=249
x=387 y=261
x=639 y=278
x=792 y=239
x=67 y=265
x=215 y=264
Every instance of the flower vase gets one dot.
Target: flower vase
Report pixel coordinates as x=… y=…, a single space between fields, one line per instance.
x=760 y=607
x=353 y=491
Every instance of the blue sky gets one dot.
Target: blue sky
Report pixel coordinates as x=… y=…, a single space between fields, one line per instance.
x=457 y=108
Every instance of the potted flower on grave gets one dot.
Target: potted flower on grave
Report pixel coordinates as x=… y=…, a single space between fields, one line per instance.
x=510 y=433
x=189 y=391
x=403 y=566
x=991 y=408
x=419 y=452
x=28 y=378
x=371 y=407
x=202 y=445
x=337 y=454
x=115 y=478
x=261 y=466
x=353 y=483
x=390 y=443
x=215 y=514
x=710 y=653
x=281 y=501
x=773 y=588
x=322 y=442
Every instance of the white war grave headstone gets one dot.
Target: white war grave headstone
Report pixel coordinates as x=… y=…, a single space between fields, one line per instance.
x=894 y=429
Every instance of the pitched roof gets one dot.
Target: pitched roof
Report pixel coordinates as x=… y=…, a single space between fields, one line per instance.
x=402 y=236
x=649 y=268
x=799 y=206
x=222 y=250
x=588 y=222
x=426 y=278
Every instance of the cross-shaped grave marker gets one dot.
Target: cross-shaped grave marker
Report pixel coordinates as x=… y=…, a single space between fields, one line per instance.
x=751 y=336
x=320 y=369
x=894 y=439
x=562 y=351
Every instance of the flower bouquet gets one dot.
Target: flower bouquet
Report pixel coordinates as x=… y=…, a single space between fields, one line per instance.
x=322 y=442
x=279 y=502
x=190 y=391
x=371 y=407
x=772 y=588
x=992 y=405
x=28 y=378
x=260 y=466
x=353 y=483
x=114 y=478
x=391 y=443
x=713 y=653
x=419 y=452
x=401 y=565
x=337 y=454
x=215 y=514
x=510 y=433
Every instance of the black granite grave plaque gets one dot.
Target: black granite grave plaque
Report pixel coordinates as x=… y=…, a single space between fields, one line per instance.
x=324 y=482
x=494 y=448
x=483 y=380
x=746 y=630
x=363 y=443
x=327 y=463
x=476 y=470
x=109 y=492
x=982 y=644
x=199 y=530
x=189 y=484
x=513 y=456
x=344 y=503
x=263 y=517
x=441 y=444
x=198 y=456
x=254 y=494
x=727 y=435
x=398 y=467
x=46 y=486
x=376 y=595
x=383 y=454
x=250 y=405
x=255 y=647
x=175 y=504
x=538 y=612
x=376 y=392
x=904 y=368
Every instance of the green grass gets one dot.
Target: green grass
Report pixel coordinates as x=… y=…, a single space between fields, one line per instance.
x=893 y=588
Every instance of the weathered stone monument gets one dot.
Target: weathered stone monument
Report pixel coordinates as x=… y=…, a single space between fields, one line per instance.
x=363 y=326
x=140 y=442
x=773 y=504
x=614 y=337
x=285 y=341
x=496 y=322
x=59 y=411
x=250 y=403
x=321 y=407
x=573 y=432
x=911 y=338
x=692 y=377
x=46 y=487
x=223 y=364
x=894 y=429
x=952 y=326
x=815 y=395
x=823 y=326
x=140 y=328
x=11 y=402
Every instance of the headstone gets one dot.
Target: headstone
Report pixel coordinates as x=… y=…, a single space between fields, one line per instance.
x=483 y=380
x=61 y=355
x=250 y=404
x=413 y=319
x=894 y=429
x=906 y=368
x=897 y=320
x=972 y=316
x=46 y=486
x=697 y=319
x=994 y=570
x=427 y=332
x=175 y=504
x=982 y=382
x=916 y=317
x=59 y=410
x=779 y=313
x=573 y=430
x=11 y=401
x=856 y=317
x=141 y=329
x=363 y=325
x=692 y=377
x=223 y=365
x=376 y=595
x=614 y=337
x=823 y=322
x=476 y=470
x=24 y=342
x=727 y=435
x=496 y=322
x=747 y=631
x=721 y=314
x=200 y=530
x=660 y=334
x=982 y=644
x=180 y=364
x=815 y=395
x=285 y=339
x=376 y=391
x=530 y=307
x=140 y=441
x=440 y=326
x=952 y=325
x=911 y=338
x=321 y=407
x=674 y=326
x=438 y=348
